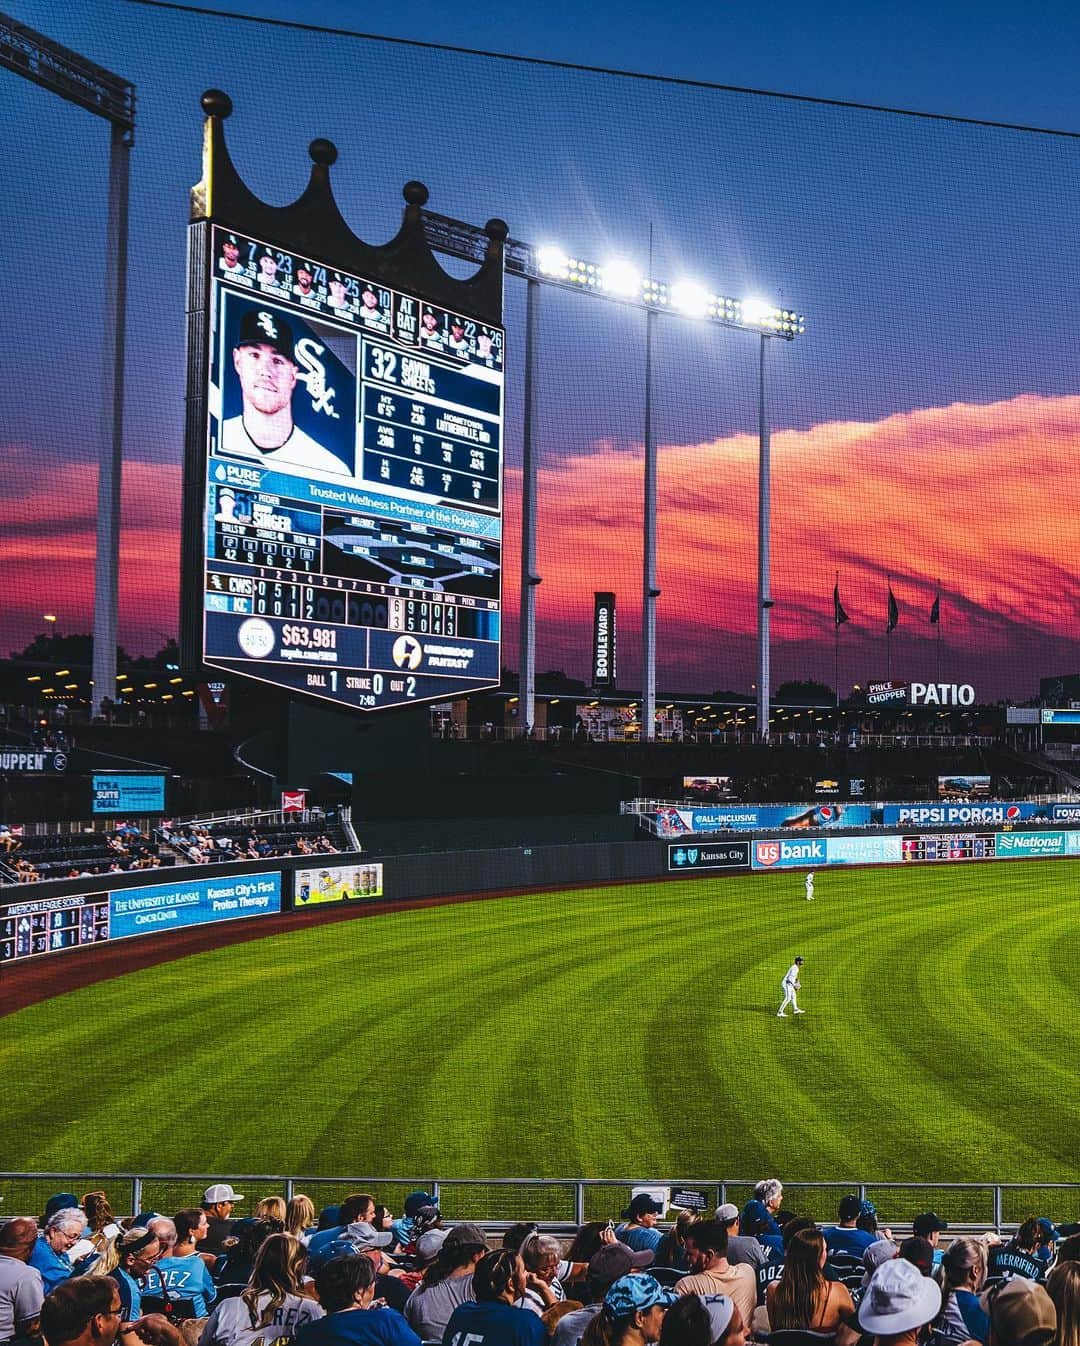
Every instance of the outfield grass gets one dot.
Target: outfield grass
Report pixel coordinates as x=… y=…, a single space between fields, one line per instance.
x=605 y=1032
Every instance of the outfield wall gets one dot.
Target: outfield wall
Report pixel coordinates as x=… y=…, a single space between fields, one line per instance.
x=60 y=917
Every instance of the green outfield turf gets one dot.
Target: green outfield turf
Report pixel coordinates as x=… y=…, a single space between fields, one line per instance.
x=598 y=1032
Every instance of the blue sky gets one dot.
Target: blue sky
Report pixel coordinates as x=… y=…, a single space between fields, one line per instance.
x=936 y=261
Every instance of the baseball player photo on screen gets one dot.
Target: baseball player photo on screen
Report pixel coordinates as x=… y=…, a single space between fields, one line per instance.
x=287 y=391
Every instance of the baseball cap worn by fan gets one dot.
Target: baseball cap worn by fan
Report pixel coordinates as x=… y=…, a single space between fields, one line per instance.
x=850 y=1208
x=61 y=1201
x=615 y=1260
x=636 y=1294
x=260 y=328
x=727 y=1213
x=927 y=1224
x=881 y=1250
x=642 y=1204
x=720 y=1309
x=465 y=1235
x=898 y=1299
x=1021 y=1313
x=416 y=1201
x=219 y=1192
x=429 y=1245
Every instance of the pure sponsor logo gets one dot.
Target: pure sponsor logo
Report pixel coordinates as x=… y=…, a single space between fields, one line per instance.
x=882 y=693
x=1067 y=813
x=1031 y=843
x=768 y=854
x=256 y=638
x=959 y=813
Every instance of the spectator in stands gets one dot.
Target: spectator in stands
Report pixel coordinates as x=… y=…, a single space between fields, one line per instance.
x=407 y=1229
x=100 y=1230
x=762 y=1207
x=919 y=1252
x=499 y=1279
x=383 y=1220
x=883 y=1250
x=270 y=1208
x=803 y=1299
x=710 y=1271
x=928 y=1226
x=218 y=1202
x=632 y=1313
x=703 y=1320
x=1021 y=1314
x=21 y=1290
x=639 y=1230
x=1063 y=1287
x=358 y=1209
x=50 y=1251
x=346 y=1287
x=447 y=1282
x=963 y=1270
x=1046 y=1241
x=1017 y=1258
x=300 y=1217
x=273 y=1299
x=237 y=1259
x=610 y=1263
x=741 y=1247
x=588 y=1241
x=86 y=1311
x=1068 y=1250
x=164 y=1230
x=671 y=1250
x=542 y=1256
x=845 y=1236
x=138 y=1250
x=8 y=839
x=898 y=1302
x=181 y=1270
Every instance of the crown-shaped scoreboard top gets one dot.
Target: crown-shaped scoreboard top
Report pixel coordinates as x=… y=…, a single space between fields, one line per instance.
x=313 y=225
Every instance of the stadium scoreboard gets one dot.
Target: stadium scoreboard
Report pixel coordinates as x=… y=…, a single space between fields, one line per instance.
x=349 y=484
x=954 y=846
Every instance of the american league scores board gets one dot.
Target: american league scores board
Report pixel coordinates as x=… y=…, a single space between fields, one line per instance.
x=353 y=482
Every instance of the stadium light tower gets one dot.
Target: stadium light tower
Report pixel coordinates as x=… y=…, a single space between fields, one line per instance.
x=618 y=282
x=78 y=80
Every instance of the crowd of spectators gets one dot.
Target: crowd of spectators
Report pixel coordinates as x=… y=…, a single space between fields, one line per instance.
x=77 y=855
x=203 y=847
x=354 y=1275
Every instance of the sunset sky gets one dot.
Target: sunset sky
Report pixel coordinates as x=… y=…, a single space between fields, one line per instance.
x=927 y=426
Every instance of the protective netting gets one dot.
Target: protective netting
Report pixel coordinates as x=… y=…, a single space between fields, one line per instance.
x=924 y=427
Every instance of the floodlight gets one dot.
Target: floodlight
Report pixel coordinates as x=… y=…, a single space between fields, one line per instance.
x=619 y=277
x=552 y=262
x=691 y=299
x=757 y=312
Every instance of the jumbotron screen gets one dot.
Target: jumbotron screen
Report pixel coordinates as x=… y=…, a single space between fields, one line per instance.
x=353 y=509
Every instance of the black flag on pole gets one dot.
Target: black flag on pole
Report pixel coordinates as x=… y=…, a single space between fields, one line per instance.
x=839 y=615
x=935 y=611
x=894 y=612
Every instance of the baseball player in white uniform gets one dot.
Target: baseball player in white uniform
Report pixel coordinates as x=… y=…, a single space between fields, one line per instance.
x=810 y=886
x=790 y=985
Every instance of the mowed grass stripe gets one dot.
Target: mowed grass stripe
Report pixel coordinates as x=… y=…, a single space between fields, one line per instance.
x=626 y=1029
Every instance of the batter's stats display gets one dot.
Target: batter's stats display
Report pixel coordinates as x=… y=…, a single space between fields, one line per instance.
x=353 y=511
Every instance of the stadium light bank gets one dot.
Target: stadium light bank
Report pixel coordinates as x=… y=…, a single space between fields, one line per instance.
x=618 y=281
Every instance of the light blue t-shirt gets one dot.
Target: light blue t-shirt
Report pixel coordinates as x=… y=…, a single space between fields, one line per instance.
x=638 y=1238
x=185 y=1278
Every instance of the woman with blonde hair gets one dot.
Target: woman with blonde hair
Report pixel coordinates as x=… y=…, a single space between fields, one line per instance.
x=963 y=1270
x=300 y=1217
x=271 y=1208
x=273 y=1298
x=1063 y=1287
x=803 y=1299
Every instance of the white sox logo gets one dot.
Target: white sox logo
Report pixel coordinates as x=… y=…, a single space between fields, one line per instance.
x=314 y=376
x=266 y=324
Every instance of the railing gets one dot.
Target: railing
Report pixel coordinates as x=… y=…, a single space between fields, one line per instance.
x=565 y=737
x=561 y=1204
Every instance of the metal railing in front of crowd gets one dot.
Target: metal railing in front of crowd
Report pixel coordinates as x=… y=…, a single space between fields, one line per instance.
x=562 y=1204
x=566 y=737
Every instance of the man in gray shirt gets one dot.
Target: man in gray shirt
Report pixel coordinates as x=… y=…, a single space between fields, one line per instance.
x=447 y=1282
x=606 y=1266
x=740 y=1247
x=21 y=1291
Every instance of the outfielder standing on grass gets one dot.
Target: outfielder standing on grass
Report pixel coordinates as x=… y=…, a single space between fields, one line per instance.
x=810 y=886
x=790 y=985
